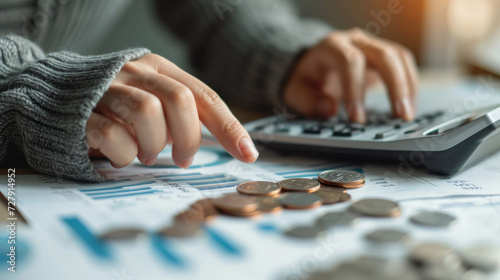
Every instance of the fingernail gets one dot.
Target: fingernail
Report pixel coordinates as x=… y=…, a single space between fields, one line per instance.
x=248 y=149
x=150 y=161
x=357 y=112
x=324 y=107
x=404 y=108
x=186 y=163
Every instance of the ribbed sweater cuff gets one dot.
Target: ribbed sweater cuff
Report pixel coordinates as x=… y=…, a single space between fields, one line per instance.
x=52 y=100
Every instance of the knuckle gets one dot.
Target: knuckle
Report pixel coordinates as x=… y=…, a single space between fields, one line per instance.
x=110 y=130
x=386 y=54
x=179 y=95
x=351 y=56
x=231 y=127
x=153 y=58
x=150 y=106
x=208 y=98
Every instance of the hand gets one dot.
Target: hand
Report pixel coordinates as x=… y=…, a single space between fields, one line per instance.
x=151 y=103
x=341 y=68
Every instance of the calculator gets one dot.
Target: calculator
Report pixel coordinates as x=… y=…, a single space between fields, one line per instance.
x=442 y=142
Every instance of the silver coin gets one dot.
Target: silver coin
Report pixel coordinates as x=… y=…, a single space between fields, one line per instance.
x=435 y=254
x=341 y=177
x=376 y=207
x=122 y=233
x=433 y=219
x=388 y=236
x=341 y=218
x=482 y=257
x=304 y=231
x=300 y=200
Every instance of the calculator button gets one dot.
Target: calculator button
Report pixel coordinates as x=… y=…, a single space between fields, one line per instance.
x=385 y=134
x=347 y=132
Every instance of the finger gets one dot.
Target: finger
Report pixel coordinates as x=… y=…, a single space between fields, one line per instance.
x=307 y=100
x=387 y=61
x=213 y=113
x=143 y=112
x=411 y=73
x=352 y=64
x=111 y=139
x=182 y=119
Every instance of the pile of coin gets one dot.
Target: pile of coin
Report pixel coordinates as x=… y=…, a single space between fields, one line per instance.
x=425 y=261
x=256 y=197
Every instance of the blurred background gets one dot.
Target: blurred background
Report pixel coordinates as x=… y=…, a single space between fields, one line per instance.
x=444 y=34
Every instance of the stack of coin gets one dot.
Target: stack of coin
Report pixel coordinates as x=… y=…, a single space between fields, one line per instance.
x=342 y=178
x=237 y=205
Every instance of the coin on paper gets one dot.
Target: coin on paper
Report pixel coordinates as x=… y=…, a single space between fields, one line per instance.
x=342 y=218
x=299 y=184
x=304 y=231
x=238 y=205
x=122 y=233
x=207 y=207
x=181 y=230
x=328 y=196
x=342 y=178
x=269 y=204
x=388 y=236
x=259 y=188
x=482 y=257
x=344 y=197
x=334 y=188
x=433 y=219
x=300 y=200
x=433 y=254
x=376 y=207
x=190 y=216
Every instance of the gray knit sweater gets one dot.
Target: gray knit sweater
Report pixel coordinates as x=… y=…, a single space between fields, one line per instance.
x=243 y=49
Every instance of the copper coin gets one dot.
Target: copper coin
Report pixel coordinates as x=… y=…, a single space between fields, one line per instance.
x=191 y=215
x=328 y=196
x=259 y=188
x=207 y=207
x=341 y=178
x=299 y=184
x=354 y=186
x=238 y=204
x=335 y=188
x=181 y=230
x=300 y=200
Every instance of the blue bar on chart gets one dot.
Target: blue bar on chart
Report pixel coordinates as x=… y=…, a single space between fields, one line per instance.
x=204 y=181
x=95 y=245
x=125 y=190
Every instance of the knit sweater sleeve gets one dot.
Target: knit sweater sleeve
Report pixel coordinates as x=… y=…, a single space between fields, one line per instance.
x=244 y=49
x=45 y=102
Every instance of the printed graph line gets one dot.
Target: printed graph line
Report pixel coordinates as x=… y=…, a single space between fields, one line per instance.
x=93 y=243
